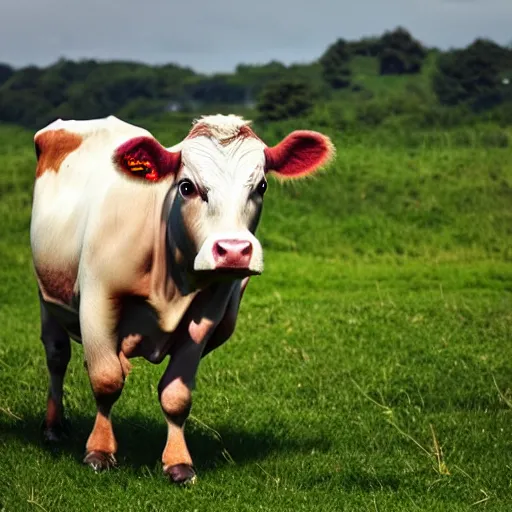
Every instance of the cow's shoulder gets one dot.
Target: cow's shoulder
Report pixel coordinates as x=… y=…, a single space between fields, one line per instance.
x=55 y=142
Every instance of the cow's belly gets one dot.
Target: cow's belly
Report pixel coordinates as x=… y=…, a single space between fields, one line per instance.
x=138 y=328
x=138 y=331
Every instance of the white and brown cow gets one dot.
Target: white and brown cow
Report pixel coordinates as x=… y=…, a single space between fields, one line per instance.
x=142 y=251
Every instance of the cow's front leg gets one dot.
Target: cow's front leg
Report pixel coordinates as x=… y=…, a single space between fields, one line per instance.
x=175 y=394
x=98 y=317
x=226 y=326
x=175 y=387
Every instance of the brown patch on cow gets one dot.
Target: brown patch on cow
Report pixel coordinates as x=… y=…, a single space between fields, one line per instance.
x=102 y=436
x=53 y=413
x=200 y=130
x=199 y=331
x=130 y=344
x=176 y=398
x=125 y=364
x=175 y=451
x=108 y=382
x=57 y=285
x=203 y=130
x=52 y=147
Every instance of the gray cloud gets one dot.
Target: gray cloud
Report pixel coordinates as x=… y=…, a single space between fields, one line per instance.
x=215 y=36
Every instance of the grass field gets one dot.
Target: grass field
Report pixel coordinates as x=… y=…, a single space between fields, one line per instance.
x=371 y=368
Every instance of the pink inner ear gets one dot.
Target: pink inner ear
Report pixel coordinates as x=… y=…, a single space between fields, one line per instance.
x=144 y=157
x=300 y=153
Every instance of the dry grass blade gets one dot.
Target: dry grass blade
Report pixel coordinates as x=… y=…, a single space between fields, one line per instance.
x=442 y=468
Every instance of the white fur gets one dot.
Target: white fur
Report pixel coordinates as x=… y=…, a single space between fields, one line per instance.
x=68 y=206
x=229 y=173
x=223 y=127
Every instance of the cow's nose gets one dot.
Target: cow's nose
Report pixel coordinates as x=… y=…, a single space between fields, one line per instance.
x=232 y=253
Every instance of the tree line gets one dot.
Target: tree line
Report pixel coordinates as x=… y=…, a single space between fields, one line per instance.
x=478 y=76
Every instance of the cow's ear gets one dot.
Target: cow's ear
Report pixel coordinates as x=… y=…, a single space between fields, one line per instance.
x=145 y=158
x=298 y=154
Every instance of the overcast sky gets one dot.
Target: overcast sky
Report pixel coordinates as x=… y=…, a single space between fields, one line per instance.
x=216 y=35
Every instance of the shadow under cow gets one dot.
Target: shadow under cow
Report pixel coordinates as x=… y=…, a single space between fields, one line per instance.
x=141 y=442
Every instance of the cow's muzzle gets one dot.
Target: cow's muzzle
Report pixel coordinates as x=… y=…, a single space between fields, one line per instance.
x=232 y=254
x=238 y=253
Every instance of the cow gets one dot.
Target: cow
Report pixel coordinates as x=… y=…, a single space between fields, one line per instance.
x=143 y=251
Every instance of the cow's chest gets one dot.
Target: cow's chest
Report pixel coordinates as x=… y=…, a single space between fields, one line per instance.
x=139 y=329
x=139 y=332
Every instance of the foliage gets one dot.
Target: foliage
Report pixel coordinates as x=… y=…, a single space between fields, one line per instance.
x=400 y=53
x=335 y=65
x=6 y=72
x=366 y=47
x=285 y=99
x=345 y=87
x=474 y=75
x=216 y=89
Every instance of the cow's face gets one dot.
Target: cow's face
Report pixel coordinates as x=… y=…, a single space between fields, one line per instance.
x=215 y=201
x=218 y=202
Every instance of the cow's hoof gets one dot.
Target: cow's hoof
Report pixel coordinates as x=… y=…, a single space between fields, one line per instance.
x=56 y=433
x=100 y=461
x=181 y=474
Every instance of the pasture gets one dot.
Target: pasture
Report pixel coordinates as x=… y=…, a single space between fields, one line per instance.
x=371 y=368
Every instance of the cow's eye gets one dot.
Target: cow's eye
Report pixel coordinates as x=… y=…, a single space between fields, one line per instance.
x=262 y=187
x=187 y=188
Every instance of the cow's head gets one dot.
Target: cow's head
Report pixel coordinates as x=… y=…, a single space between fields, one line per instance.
x=220 y=178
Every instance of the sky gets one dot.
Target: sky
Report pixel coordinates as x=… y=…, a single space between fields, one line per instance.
x=214 y=36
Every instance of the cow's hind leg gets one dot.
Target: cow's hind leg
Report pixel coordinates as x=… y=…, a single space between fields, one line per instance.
x=58 y=353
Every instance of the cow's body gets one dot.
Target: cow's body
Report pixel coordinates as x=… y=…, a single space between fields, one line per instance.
x=145 y=252
x=85 y=218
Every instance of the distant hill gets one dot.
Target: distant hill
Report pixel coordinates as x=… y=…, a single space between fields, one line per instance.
x=363 y=82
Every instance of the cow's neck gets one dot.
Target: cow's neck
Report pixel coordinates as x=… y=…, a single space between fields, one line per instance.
x=171 y=293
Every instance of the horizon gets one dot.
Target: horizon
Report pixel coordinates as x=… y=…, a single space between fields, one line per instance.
x=106 y=60
x=229 y=35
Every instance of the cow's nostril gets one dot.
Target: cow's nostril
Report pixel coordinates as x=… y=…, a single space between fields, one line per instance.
x=220 y=250
x=247 y=250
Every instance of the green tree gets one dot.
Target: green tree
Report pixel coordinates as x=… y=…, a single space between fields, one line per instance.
x=474 y=75
x=335 y=65
x=256 y=76
x=400 y=53
x=366 y=47
x=216 y=89
x=6 y=72
x=24 y=108
x=285 y=99
x=24 y=79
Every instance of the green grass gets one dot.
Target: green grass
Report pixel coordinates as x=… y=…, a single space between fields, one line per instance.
x=371 y=368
